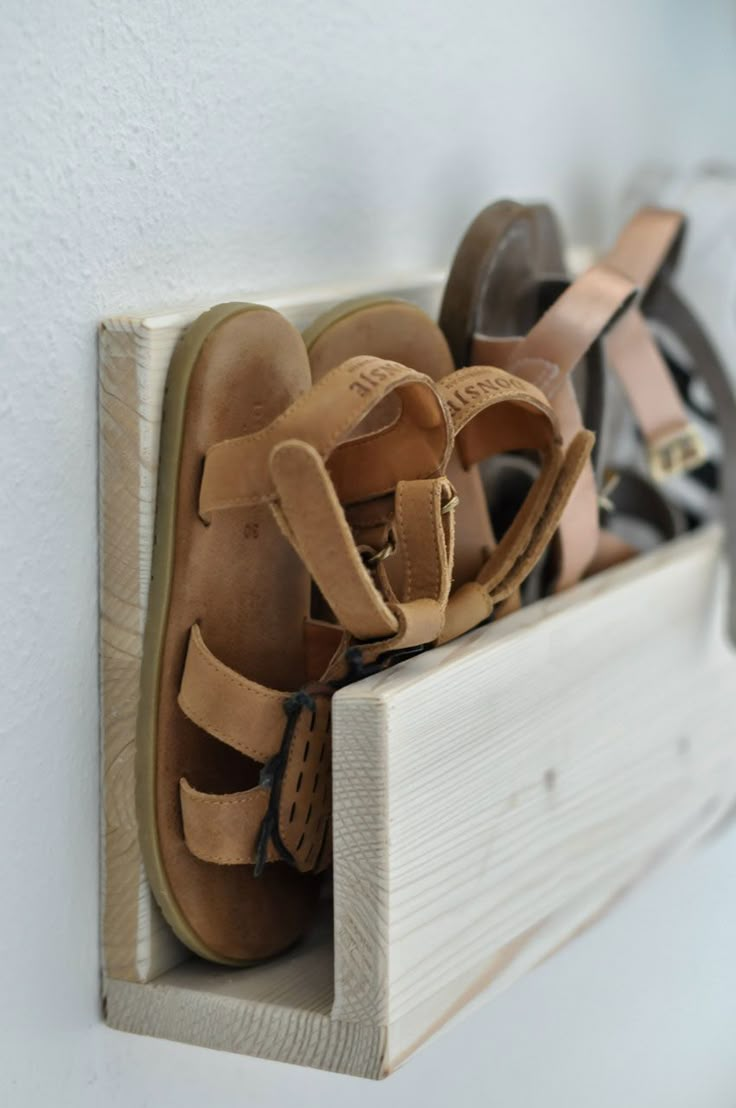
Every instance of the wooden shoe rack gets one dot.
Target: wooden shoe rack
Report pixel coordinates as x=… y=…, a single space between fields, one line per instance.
x=491 y=798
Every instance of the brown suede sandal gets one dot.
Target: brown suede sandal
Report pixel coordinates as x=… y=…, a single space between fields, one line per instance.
x=233 y=771
x=508 y=303
x=492 y=412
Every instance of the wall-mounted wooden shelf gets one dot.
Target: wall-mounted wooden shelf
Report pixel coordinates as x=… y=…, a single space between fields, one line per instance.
x=491 y=799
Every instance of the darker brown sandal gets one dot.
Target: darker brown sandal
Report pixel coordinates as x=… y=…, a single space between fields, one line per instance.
x=508 y=303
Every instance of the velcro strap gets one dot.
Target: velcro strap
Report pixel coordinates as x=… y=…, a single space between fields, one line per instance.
x=236 y=828
x=420 y=624
x=666 y=306
x=236 y=472
x=247 y=716
x=312 y=518
x=538 y=518
x=424 y=526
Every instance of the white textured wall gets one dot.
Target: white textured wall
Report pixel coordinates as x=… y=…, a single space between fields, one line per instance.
x=158 y=152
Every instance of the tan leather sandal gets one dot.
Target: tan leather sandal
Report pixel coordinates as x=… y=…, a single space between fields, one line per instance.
x=233 y=745
x=508 y=302
x=492 y=412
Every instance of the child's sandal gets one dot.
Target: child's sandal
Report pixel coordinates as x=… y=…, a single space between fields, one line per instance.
x=233 y=762
x=491 y=412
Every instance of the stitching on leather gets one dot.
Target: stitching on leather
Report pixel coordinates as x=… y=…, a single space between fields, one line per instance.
x=407 y=548
x=196 y=797
x=437 y=555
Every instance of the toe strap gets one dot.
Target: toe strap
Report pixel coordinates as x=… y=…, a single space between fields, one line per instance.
x=224 y=829
x=286 y=816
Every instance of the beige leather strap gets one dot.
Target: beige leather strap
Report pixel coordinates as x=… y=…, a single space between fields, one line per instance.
x=546 y=357
x=495 y=412
x=648 y=244
x=237 y=473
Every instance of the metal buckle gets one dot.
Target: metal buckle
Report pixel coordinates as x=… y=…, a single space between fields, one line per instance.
x=677 y=453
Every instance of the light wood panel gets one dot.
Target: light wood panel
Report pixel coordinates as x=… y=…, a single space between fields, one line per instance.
x=483 y=788
x=491 y=798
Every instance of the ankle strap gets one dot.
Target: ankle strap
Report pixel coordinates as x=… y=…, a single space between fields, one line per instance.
x=494 y=412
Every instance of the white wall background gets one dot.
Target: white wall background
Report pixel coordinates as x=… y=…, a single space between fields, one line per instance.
x=159 y=152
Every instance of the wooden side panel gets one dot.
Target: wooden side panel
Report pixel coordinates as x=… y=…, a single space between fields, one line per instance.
x=491 y=799
x=137 y=944
x=487 y=790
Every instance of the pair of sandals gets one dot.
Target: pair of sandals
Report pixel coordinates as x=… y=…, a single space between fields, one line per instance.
x=322 y=514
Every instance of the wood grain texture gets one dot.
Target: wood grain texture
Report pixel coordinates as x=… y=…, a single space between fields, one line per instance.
x=280 y=1011
x=491 y=799
x=486 y=791
x=137 y=944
